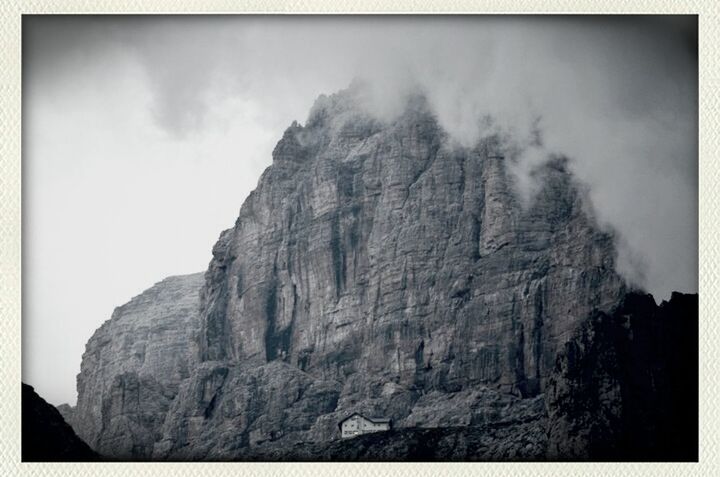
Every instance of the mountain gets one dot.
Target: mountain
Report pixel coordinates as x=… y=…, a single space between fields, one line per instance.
x=378 y=267
x=46 y=437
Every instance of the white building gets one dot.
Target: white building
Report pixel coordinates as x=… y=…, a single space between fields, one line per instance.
x=356 y=424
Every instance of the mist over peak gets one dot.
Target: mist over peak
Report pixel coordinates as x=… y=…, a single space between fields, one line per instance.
x=637 y=167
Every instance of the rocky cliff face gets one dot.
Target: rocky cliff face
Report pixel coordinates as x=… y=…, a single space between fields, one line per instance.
x=133 y=366
x=388 y=251
x=378 y=268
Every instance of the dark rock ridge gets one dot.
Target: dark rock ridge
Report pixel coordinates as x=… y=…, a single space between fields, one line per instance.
x=377 y=267
x=507 y=442
x=626 y=386
x=46 y=437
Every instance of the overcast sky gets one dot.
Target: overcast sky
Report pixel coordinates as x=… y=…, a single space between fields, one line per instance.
x=143 y=135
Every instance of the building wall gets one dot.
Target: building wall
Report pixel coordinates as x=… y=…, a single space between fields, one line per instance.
x=357 y=425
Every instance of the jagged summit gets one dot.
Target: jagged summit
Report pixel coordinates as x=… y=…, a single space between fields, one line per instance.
x=343 y=118
x=359 y=186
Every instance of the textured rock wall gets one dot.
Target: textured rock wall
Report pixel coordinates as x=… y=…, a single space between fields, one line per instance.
x=388 y=251
x=223 y=409
x=133 y=366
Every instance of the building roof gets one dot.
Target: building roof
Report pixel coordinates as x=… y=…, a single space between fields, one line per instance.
x=376 y=420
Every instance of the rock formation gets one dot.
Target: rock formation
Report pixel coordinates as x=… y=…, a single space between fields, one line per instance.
x=133 y=366
x=377 y=267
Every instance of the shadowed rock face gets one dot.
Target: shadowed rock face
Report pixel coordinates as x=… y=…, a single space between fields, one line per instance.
x=626 y=386
x=376 y=268
x=517 y=441
x=46 y=437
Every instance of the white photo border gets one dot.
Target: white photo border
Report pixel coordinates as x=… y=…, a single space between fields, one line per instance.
x=11 y=12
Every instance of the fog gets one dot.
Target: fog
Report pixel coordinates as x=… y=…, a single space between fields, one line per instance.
x=143 y=135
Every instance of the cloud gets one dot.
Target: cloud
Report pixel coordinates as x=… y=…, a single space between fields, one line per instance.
x=616 y=97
